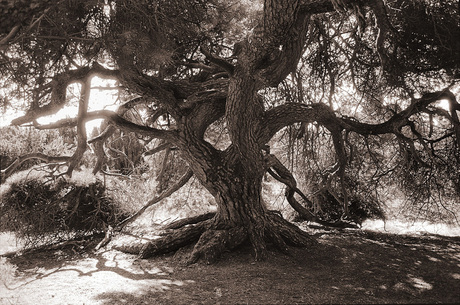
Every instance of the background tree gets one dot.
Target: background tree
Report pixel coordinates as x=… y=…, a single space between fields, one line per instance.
x=367 y=74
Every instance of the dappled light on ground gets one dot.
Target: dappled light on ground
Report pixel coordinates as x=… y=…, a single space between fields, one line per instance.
x=419 y=283
x=81 y=281
x=347 y=266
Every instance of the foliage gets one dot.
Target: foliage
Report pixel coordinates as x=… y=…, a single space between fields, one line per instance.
x=42 y=209
x=17 y=141
x=132 y=194
x=354 y=86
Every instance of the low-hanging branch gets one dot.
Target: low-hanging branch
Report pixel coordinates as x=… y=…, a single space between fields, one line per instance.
x=287 y=114
x=278 y=171
x=7 y=172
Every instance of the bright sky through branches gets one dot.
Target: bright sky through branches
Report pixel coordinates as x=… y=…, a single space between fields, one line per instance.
x=104 y=95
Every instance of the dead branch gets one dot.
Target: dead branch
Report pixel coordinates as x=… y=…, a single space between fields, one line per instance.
x=59 y=86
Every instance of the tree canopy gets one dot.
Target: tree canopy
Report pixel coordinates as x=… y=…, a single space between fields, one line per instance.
x=359 y=82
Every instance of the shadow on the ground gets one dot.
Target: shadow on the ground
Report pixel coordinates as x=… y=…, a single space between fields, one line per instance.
x=346 y=267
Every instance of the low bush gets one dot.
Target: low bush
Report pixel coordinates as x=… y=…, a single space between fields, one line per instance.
x=40 y=209
x=360 y=207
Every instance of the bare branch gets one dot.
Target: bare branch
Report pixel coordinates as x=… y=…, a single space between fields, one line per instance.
x=59 y=86
x=81 y=126
x=108 y=131
x=157 y=149
x=7 y=172
x=182 y=181
x=384 y=28
x=282 y=174
x=117 y=121
x=279 y=117
x=161 y=176
x=4 y=42
x=129 y=126
x=398 y=120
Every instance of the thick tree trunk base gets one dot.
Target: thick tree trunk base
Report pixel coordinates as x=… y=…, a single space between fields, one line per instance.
x=211 y=242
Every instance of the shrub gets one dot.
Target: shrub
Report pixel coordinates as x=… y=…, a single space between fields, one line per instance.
x=360 y=207
x=40 y=209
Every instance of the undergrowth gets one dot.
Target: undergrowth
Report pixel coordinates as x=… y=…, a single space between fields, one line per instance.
x=40 y=209
x=132 y=194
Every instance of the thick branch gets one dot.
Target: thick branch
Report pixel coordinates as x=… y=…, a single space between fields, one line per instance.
x=283 y=175
x=279 y=117
x=218 y=61
x=129 y=126
x=285 y=29
x=114 y=119
x=158 y=149
x=398 y=120
x=59 y=86
x=81 y=126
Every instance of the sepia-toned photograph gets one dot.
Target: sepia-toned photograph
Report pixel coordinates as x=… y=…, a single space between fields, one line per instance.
x=229 y=152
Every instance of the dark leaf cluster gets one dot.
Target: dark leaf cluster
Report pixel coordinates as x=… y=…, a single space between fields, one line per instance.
x=41 y=210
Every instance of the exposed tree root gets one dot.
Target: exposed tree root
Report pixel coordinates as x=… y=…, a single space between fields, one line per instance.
x=175 y=240
x=211 y=243
x=291 y=234
x=188 y=221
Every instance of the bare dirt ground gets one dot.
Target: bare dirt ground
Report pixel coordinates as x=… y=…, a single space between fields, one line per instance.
x=349 y=266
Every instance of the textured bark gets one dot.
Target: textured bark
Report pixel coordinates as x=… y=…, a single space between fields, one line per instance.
x=174 y=240
x=188 y=221
x=234 y=176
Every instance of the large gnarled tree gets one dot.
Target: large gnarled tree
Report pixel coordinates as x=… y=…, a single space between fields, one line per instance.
x=199 y=63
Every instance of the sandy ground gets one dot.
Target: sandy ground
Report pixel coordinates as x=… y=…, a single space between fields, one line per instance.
x=346 y=267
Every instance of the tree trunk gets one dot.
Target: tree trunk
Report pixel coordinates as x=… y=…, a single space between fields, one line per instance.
x=234 y=176
x=241 y=216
